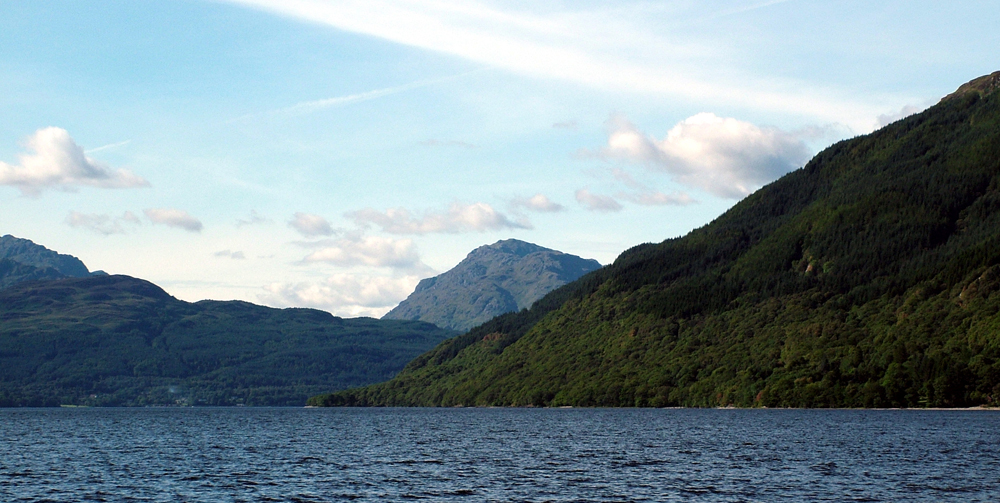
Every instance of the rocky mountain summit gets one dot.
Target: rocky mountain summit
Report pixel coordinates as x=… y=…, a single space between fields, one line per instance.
x=505 y=276
x=23 y=260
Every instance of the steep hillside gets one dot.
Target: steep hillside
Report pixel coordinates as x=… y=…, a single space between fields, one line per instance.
x=116 y=340
x=494 y=279
x=868 y=278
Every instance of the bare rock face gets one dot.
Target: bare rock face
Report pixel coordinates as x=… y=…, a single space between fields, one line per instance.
x=494 y=279
x=983 y=86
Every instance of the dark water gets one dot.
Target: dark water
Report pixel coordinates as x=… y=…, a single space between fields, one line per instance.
x=228 y=455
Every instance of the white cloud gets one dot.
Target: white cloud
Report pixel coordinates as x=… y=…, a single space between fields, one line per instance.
x=373 y=251
x=102 y=223
x=476 y=217
x=538 y=202
x=235 y=255
x=55 y=161
x=310 y=225
x=610 y=46
x=724 y=156
x=173 y=218
x=254 y=219
x=596 y=202
x=343 y=294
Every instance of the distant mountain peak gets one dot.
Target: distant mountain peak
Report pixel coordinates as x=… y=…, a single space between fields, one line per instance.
x=512 y=246
x=983 y=86
x=494 y=279
x=23 y=260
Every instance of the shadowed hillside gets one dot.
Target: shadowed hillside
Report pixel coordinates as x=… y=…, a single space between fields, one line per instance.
x=116 y=340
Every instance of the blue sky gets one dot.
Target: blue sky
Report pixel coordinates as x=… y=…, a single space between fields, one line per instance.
x=331 y=154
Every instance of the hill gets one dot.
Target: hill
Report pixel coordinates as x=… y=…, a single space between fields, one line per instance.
x=868 y=278
x=492 y=280
x=22 y=260
x=122 y=341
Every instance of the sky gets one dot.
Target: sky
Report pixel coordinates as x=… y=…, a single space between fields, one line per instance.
x=330 y=154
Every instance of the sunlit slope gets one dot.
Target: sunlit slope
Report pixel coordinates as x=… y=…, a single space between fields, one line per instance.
x=871 y=277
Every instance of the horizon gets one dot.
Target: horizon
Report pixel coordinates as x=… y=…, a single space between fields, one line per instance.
x=306 y=156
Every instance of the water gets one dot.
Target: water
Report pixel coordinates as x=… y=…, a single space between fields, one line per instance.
x=306 y=455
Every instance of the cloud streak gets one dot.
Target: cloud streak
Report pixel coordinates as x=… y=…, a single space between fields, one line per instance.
x=54 y=161
x=308 y=107
x=580 y=46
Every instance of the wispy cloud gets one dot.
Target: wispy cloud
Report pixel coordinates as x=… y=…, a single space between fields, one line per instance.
x=254 y=219
x=538 y=202
x=310 y=225
x=312 y=106
x=173 y=218
x=103 y=224
x=597 y=202
x=747 y=8
x=106 y=147
x=447 y=143
x=642 y=194
x=235 y=255
x=608 y=47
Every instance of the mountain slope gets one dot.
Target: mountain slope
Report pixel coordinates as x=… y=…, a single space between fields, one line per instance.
x=494 y=279
x=22 y=260
x=870 y=277
x=116 y=340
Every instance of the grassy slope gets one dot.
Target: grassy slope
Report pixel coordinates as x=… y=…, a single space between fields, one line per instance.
x=867 y=278
x=129 y=343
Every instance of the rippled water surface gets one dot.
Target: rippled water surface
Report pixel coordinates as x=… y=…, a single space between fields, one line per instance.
x=250 y=454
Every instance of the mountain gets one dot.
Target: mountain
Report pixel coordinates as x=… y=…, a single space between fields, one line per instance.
x=122 y=341
x=494 y=279
x=22 y=260
x=868 y=278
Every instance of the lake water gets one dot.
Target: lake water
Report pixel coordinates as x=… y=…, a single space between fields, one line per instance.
x=307 y=455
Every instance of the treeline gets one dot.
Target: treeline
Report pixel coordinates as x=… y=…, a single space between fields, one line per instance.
x=865 y=279
x=121 y=341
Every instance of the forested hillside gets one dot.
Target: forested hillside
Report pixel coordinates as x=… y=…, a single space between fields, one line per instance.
x=116 y=340
x=868 y=278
